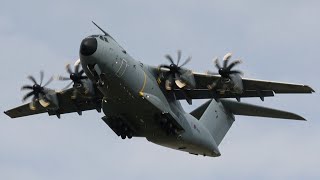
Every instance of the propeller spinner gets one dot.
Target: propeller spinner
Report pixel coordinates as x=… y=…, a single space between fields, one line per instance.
x=75 y=76
x=224 y=71
x=176 y=74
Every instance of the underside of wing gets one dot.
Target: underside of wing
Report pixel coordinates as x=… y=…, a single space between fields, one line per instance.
x=277 y=87
x=25 y=110
x=65 y=104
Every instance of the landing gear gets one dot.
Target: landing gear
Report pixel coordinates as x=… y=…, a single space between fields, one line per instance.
x=125 y=132
x=120 y=126
x=168 y=126
x=122 y=129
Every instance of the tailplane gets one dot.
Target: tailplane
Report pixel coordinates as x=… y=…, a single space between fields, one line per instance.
x=218 y=117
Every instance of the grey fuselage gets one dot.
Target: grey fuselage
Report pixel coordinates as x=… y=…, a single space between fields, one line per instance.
x=124 y=81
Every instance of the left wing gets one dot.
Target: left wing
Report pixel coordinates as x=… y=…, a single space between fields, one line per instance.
x=65 y=105
x=251 y=88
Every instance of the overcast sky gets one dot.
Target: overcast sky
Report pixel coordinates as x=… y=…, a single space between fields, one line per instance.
x=276 y=40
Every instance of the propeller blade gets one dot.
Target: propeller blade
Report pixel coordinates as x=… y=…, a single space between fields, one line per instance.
x=76 y=68
x=65 y=88
x=32 y=79
x=226 y=59
x=188 y=99
x=188 y=78
x=227 y=56
x=186 y=62
x=179 y=57
x=32 y=104
x=214 y=84
x=48 y=82
x=169 y=58
x=164 y=66
x=233 y=64
x=179 y=83
x=74 y=93
x=83 y=77
x=26 y=87
x=169 y=83
x=27 y=96
x=81 y=72
x=77 y=62
x=68 y=69
x=217 y=64
x=41 y=77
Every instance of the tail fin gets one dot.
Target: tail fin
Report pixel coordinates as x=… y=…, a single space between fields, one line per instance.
x=217 y=119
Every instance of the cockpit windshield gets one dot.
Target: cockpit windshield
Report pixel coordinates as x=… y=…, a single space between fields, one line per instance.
x=102 y=37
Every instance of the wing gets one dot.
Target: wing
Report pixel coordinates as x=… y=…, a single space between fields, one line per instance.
x=66 y=105
x=251 y=88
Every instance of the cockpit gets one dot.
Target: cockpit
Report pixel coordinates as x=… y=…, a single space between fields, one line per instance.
x=102 y=37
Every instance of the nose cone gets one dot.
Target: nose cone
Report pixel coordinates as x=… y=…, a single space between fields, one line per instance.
x=88 y=46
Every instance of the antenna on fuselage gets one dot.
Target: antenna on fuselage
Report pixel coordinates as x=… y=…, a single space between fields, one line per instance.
x=105 y=33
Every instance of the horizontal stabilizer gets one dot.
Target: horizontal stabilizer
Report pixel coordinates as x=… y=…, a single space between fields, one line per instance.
x=238 y=108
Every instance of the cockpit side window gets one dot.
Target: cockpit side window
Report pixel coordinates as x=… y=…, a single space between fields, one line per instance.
x=94 y=36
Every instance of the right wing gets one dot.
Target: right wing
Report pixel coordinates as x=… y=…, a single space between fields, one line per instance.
x=66 y=105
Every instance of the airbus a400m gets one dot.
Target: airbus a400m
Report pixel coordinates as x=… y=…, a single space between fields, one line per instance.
x=139 y=100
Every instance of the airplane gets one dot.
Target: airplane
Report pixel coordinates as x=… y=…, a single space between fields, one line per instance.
x=139 y=100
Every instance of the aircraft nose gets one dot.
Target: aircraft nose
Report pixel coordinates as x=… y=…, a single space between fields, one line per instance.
x=88 y=46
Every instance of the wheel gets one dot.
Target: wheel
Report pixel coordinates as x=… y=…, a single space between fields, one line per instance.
x=123 y=136
x=130 y=135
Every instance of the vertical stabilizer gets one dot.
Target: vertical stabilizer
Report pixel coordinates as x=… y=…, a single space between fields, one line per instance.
x=217 y=119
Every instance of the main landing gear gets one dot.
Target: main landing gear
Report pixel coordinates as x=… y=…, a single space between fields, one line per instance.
x=168 y=126
x=119 y=126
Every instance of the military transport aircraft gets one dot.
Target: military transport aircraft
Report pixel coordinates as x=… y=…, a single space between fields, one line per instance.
x=139 y=100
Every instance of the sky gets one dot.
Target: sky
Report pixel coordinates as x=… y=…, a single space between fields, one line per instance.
x=276 y=40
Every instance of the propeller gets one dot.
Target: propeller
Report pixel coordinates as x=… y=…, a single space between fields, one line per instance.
x=38 y=91
x=224 y=71
x=76 y=76
x=176 y=74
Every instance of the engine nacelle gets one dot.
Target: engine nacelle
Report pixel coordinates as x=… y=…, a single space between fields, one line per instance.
x=234 y=84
